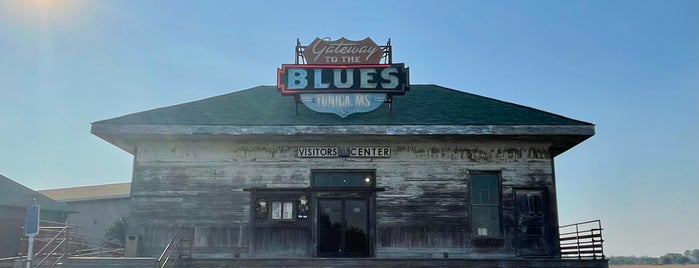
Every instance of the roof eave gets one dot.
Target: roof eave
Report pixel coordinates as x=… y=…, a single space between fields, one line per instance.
x=112 y=132
x=562 y=137
x=95 y=198
x=114 y=138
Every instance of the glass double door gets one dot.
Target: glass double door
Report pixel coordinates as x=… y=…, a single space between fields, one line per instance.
x=343 y=225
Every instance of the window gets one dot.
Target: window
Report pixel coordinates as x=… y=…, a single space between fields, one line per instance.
x=278 y=206
x=485 y=204
x=282 y=210
x=343 y=178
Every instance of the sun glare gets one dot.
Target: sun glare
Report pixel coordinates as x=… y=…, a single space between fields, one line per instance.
x=44 y=3
x=53 y=11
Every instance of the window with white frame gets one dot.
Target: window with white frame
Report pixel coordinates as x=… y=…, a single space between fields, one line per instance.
x=485 y=204
x=282 y=210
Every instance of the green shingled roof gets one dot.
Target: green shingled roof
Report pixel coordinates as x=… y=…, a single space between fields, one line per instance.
x=422 y=105
x=13 y=194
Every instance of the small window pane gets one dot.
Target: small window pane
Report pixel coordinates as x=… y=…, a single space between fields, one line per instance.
x=288 y=210
x=282 y=210
x=492 y=197
x=276 y=210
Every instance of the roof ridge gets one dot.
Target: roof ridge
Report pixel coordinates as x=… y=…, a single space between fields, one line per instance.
x=16 y=194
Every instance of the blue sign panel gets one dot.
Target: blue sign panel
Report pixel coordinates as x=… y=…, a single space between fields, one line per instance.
x=343 y=104
x=313 y=79
x=31 y=222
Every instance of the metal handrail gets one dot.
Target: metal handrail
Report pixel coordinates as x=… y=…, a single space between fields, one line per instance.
x=68 y=234
x=582 y=244
x=99 y=252
x=162 y=262
x=51 y=253
x=60 y=224
x=167 y=259
x=581 y=223
x=61 y=231
x=51 y=241
x=104 y=247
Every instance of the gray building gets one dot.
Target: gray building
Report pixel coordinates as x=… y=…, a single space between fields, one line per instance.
x=436 y=175
x=96 y=207
x=14 y=200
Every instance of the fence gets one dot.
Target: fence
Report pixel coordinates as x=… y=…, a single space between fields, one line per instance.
x=582 y=241
x=56 y=241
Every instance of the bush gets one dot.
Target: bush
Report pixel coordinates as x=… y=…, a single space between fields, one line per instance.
x=117 y=230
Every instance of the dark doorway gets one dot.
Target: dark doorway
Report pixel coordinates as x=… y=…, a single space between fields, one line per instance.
x=343 y=227
x=531 y=221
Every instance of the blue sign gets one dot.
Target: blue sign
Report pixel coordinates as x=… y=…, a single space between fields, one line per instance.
x=31 y=222
x=343 y=104
x=312 y=79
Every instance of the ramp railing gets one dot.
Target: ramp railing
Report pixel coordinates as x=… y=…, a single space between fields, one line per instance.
x=582 y=241
x=173 y=250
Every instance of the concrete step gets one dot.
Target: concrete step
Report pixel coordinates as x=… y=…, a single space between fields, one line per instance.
x=102 y=262
x=334 y=263
x=395 y=263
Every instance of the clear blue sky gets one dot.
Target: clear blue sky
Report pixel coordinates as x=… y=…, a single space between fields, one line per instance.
x=630 y=67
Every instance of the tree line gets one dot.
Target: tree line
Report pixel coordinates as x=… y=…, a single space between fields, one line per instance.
x=689 y=257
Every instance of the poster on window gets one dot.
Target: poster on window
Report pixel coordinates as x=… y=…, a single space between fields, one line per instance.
x=276 y=210
x=288 y=210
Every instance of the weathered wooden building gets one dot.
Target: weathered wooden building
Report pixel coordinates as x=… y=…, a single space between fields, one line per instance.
x=437 y=174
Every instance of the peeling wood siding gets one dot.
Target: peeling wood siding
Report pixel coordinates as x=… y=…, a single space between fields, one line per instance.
x=425 y=203
x=282 y=242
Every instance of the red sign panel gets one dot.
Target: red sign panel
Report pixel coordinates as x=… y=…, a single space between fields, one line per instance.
x=342 y=52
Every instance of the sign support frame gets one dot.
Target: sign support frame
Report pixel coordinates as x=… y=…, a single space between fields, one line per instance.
x=31 y=229
x=387 y=59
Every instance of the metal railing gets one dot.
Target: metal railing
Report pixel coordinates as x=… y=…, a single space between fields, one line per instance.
x=52 y=245
x=60 y=240
x=172 y=251
x=582 y=241
x=99 y=252
x=98 y=247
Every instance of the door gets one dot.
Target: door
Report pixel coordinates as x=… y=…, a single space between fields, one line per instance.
x=343 y=227
x=531 y=221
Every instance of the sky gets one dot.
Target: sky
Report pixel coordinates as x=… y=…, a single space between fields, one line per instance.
x=629 y=67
